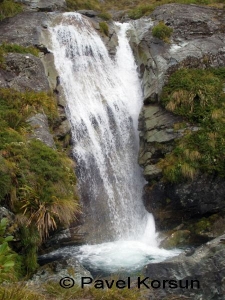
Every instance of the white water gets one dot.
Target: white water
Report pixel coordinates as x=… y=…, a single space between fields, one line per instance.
x=104 y=100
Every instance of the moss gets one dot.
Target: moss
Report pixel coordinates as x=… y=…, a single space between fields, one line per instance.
x=197 y=96
x=104 y=28
x=162 y=31
x=178 y=238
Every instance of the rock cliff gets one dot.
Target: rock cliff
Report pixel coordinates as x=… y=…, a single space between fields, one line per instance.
x=197 y=42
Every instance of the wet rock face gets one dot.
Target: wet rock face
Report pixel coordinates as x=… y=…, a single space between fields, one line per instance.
x=206 y=264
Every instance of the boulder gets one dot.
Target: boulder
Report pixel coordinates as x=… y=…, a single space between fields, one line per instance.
x=206 y=265
x=23 y=29
x=39 y=123
x=56 y=270
x=23 y=72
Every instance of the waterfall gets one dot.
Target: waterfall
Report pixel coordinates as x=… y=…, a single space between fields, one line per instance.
x=104 y=99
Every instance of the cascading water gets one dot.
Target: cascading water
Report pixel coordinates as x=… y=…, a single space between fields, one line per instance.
x=104 y=99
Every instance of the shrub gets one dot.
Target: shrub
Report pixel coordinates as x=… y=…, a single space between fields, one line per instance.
x=104 y=28
x=162 y=31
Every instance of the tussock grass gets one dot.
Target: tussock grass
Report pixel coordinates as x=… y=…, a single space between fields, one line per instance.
x=197 y=96
x=53 y=291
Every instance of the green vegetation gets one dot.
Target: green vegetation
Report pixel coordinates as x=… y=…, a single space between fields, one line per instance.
x=14 y=48
x=9 y=8
x=135 y=8
x=104 y=28
x=141 y=10
x=19 y=292
x=36 y=182
x=197 y=96
x=81 y=4
x=8 y=258
x=53 y=291
x=105 y=16
x=162 y=31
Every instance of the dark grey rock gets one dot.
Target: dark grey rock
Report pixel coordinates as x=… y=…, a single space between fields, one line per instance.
x=23 y=72
x=206 y=264
x=171 y=204
x=88 y=13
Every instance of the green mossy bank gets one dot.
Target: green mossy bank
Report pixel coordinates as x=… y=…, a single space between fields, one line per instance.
x=198 y=96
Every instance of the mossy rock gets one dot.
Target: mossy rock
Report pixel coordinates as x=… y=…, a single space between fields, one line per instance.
x=178 y=238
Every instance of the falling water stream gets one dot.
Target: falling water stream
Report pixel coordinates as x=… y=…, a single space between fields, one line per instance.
x=104 y=99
